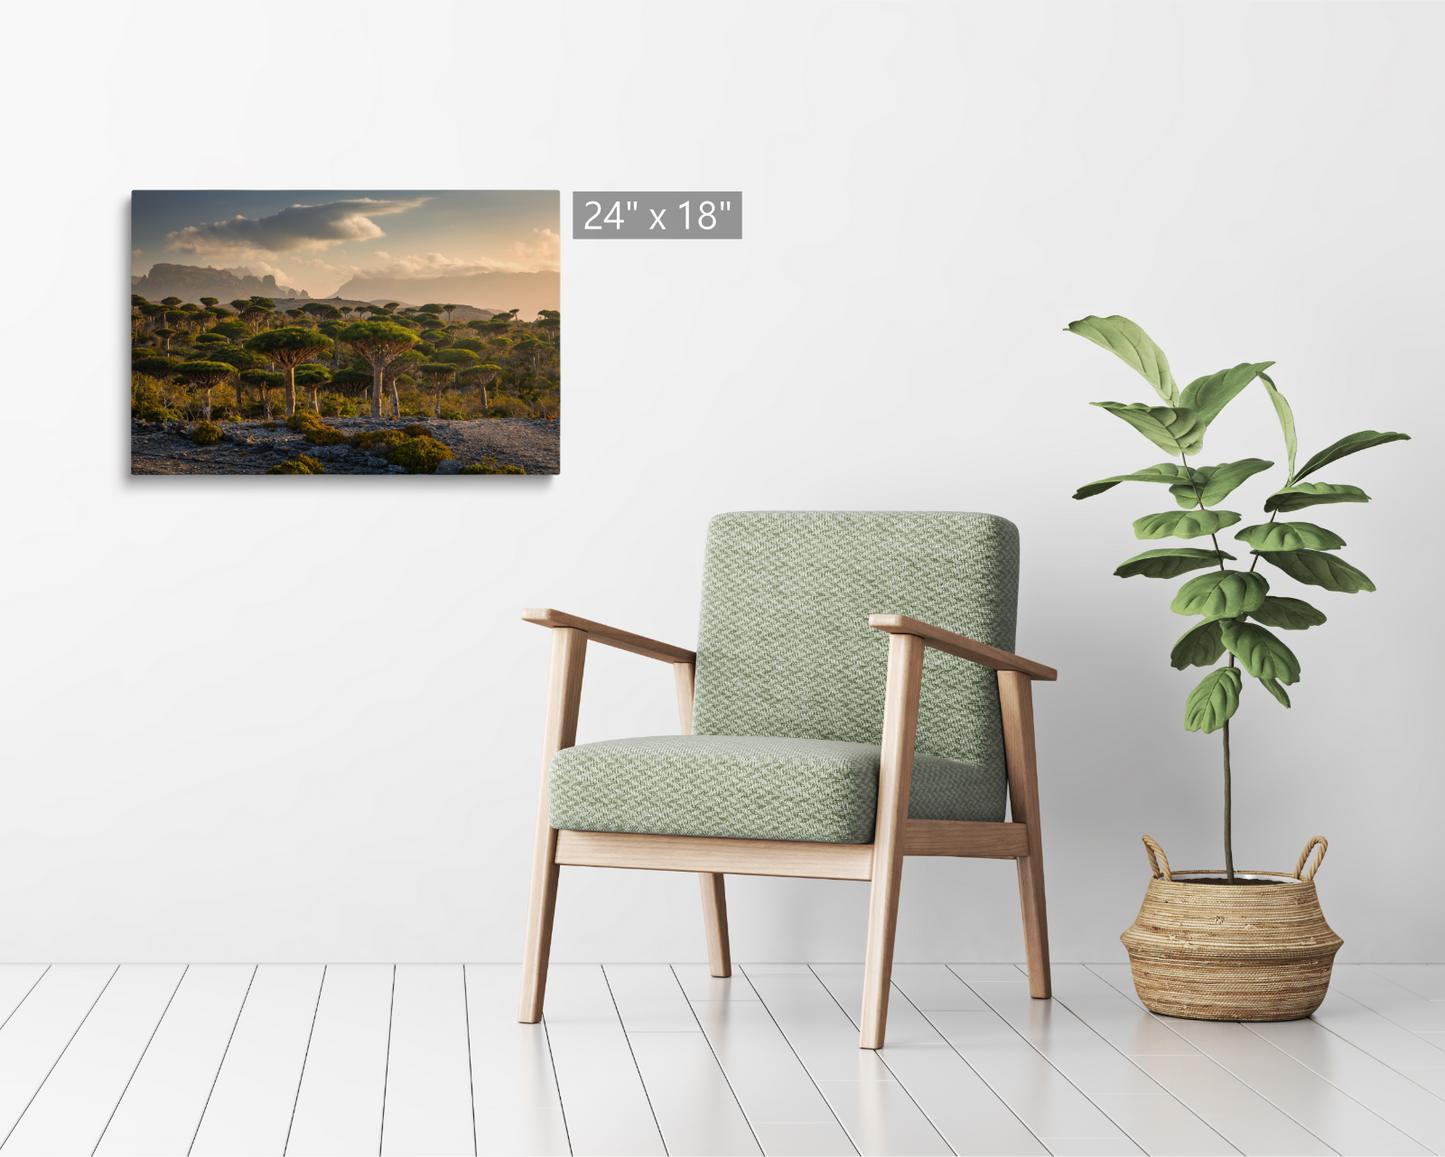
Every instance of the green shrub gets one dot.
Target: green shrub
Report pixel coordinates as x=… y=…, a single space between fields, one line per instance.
x=420 y=455
x=451 y=415
x=489 y=466
x=392 y=438
x=505 y=407
x=268 y=425
x=417 y=430
x=155 y=413
x=301 y=464
x=324 y=435
x=303 y=420
x=206 y=434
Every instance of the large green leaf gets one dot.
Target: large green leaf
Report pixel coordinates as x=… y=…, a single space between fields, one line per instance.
x=1222 y=594
x=1207 y=396
x=1169 y=562
x=1287 y=614
x=1177 y=430
x=1260 y=652
x=1123 y=338
x=1167 y=472
x=1286 y=421
x=1183 y=523
x=1273 y=687
x=1216 y=483
x=1319 y=569
x=1199 y=646
x=1352 y=444
x=1290 y=536
x=1210 y=705
x=1293 y=498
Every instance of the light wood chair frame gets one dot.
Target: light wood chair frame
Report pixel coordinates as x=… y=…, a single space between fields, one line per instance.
x=881 y=862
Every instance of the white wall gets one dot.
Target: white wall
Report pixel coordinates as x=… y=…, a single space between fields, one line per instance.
x=300 y=721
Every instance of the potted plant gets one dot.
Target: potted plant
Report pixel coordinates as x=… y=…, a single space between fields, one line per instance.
x=1230 y=945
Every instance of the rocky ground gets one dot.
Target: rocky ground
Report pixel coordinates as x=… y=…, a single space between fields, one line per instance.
x=251 y=448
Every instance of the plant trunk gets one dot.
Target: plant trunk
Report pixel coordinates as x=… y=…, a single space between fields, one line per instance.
x=1228 y=820
x=208 y=405
x=316 y=398
x=376 y=386
x=395 y=401
x=290 y=372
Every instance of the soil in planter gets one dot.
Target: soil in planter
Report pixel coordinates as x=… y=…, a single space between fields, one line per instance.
x=1237 y=883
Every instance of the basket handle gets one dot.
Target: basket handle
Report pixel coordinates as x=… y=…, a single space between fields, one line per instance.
x=1319 y=845
x=1154 y=849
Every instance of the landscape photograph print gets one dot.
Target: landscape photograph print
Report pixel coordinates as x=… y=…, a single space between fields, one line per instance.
x=345 y=332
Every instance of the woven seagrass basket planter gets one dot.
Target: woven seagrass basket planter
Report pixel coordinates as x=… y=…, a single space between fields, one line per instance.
x=1247 y=951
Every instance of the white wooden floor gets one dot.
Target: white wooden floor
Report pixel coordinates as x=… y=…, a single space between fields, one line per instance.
x=637 y=1059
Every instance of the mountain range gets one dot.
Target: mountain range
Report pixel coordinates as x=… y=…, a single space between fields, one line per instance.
x=193 y=282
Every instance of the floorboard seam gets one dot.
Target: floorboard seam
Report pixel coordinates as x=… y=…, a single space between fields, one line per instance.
x=305 y=1056
x=612 y=996
x=224 y=1052
x=26 y=997
x=1221 y=1065
x=716 y=1060
x=149 y=1040
x=386 y=1070
x=807 y=1072
x=877 y=1053
x=471 y=1076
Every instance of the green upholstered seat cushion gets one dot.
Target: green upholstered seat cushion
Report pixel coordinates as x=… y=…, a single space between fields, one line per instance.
x=752 y=787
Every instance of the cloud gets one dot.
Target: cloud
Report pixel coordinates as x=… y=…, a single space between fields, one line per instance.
x=135 y=252
x=299 y=228
x=541 y=252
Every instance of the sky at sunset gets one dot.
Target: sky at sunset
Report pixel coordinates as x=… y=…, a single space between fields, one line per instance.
x=318 y=240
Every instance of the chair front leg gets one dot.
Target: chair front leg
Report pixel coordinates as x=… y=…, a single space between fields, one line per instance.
x=1016 y=702
x=714 y=896
x=895 y=778
x=564 y=696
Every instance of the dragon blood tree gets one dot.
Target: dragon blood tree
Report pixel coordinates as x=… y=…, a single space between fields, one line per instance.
x=288 y=347
x=380 y=343
x=1234 y=605
x=205 y=376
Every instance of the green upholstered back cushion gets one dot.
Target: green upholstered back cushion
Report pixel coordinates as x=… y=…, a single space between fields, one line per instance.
x=784 y=646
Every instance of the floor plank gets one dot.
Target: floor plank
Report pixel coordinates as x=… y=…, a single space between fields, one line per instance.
x=250 y=1105
x=699 y=984
x=429 y=1070
x=649 y=998
x=602 y=1094
x=783 y=1105
x=1334 y=1123
x=1392 y=1001
x=1424 y=980
x=514 y=1089
x=694 y=1104
x=16 y=981
x=958 y=1103
x=1382 y=1106
x=339 y=1104
x=869 y=1103
x=1406 y=1052
x=70 y=1112
x=39 y=1030
x=162 y=1105
x=1146 y=1112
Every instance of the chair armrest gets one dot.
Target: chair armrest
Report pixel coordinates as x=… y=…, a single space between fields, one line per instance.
x=599 y=632
x=964 y=648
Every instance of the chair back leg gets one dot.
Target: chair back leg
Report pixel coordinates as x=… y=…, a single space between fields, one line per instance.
x=895 y=777
x=715 y=923
x=564 y=696
x=1015 y=692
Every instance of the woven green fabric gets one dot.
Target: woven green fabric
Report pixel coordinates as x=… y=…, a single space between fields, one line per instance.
x=784 y=646
x=791 y=678
x=752 y=788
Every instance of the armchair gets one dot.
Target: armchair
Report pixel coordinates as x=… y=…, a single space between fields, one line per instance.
x=804 y=750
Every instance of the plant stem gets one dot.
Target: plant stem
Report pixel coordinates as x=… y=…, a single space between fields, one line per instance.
x=1228 y=833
